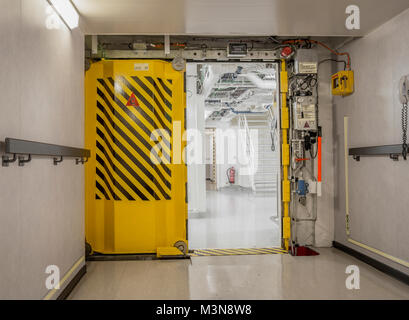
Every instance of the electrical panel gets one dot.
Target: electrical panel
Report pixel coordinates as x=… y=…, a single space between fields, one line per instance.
x=305 y=113
x=342 y=83
x=305 y=62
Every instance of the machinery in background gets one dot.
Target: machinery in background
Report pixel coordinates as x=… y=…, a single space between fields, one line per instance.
x=303 y=141
x=304 y=150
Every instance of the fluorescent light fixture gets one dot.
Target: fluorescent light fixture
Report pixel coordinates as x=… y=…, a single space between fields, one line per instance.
x=66 y=11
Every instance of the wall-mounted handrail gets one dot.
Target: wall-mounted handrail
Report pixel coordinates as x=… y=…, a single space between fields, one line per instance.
x=30 y=148
x=393 y=151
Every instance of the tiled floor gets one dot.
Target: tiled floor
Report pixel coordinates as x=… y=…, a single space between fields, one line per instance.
x=235 y=218
x=237 y=277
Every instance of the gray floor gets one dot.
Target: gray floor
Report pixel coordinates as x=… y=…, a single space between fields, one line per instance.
x=235 y=218
x=237 y=277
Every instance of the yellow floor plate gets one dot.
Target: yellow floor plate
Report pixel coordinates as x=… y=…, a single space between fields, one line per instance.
x=234 y=252
x=169 y=252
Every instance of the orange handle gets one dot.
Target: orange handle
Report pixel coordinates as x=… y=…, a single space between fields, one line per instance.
x=319 y=159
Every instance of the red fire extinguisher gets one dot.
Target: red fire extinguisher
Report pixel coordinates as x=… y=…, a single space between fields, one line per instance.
x=231 y=172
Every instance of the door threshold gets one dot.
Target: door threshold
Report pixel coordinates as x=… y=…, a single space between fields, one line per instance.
x=235 y=252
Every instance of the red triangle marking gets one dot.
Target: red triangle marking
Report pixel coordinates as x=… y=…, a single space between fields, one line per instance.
x=132 y=102
x=306 y=125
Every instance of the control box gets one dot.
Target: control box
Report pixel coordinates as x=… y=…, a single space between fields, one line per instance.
x=305 y=62
x=236 y=50
x=342 y=83
x=305 y=113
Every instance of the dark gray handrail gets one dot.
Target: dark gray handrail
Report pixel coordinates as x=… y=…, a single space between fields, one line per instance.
x=30 y=148
x=393 y=151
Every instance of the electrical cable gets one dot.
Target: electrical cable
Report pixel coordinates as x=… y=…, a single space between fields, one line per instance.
x=404 y=130
x=334 y=60
x=315 y=154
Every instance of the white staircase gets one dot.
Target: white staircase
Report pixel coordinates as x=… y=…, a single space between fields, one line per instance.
x=265 y=161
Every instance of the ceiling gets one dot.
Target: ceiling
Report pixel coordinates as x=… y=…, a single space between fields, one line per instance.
x=233 y=17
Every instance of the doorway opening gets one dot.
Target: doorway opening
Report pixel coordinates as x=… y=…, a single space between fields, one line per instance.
x=233 y=157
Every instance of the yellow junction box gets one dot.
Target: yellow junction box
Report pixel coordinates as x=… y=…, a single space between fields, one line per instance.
x=342 y=83
x=135 y=190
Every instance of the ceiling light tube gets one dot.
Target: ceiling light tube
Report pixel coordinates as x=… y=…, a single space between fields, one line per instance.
x=66 y=11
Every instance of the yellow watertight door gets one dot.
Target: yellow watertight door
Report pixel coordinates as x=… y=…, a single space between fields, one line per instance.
x=135 y=179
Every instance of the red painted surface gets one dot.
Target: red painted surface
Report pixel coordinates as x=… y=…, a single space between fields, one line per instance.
x=305 y=251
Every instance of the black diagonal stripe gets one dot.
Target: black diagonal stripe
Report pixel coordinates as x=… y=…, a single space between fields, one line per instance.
x=130 y=156
x=97 y=197
x=164 y=86
x=102 y=176
x=165 y=101
x=129 y=140
x=125 y=122
x=135 y=161
x=101 y=188
x=119 y=172
x=143 y=113
x=126 y=109
x=139 y=110
x=170 y=81
x=147 y=104
x=132 y=130
x=153 y=96
x=134 y=146
x=114 y=181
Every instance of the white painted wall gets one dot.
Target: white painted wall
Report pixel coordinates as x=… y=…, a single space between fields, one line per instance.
x=41 y=99
x=378 y=197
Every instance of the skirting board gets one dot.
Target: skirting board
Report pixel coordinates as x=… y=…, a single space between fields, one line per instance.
x=372 y=262
x=71 y=285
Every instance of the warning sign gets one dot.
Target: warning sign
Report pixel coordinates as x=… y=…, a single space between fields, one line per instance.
x=132 y=102
x=306 y=125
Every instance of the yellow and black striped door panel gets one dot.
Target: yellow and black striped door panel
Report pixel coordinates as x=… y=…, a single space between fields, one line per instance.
x=143 y=83
x=121 y=181
x=139 y=137
x=134 y=126
x=145 y=109
x=126 y=166
x=125 y=170
x=120 y=97
x=140 y=162
x=144 y=122
x=138 y=173
x=125 y=126
x=120 y=191
x=149 y=98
